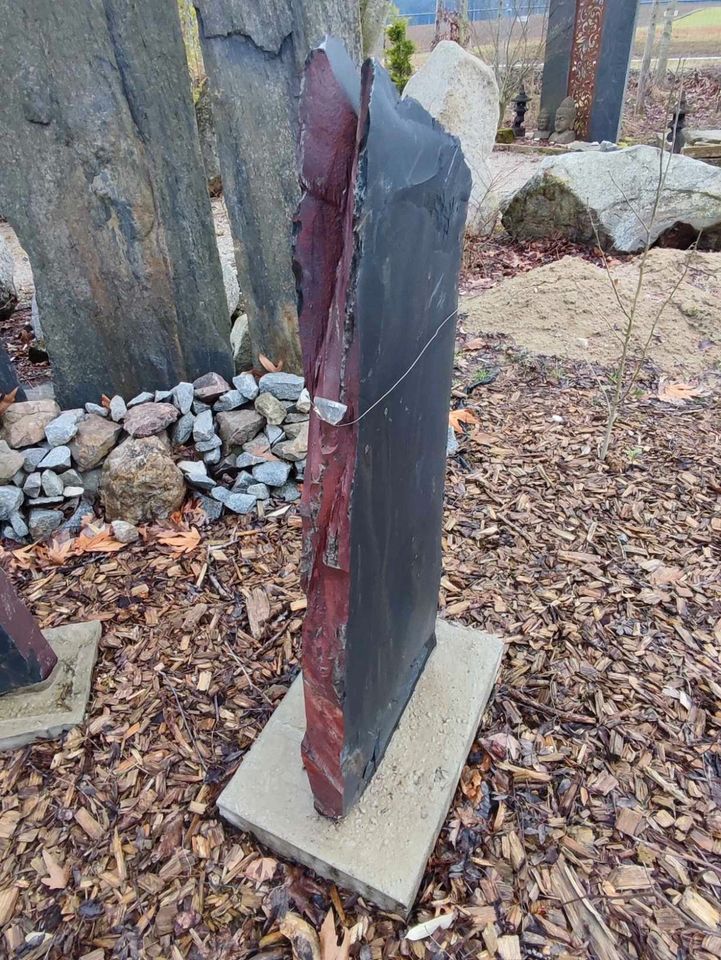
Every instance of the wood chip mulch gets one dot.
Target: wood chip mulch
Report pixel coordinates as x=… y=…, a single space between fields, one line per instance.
x=588 y=820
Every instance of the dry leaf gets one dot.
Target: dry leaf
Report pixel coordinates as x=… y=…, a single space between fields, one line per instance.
x=422 y=931
x=303 y=938
x=57 y=878
x=60 y=552
x=456 y=417
x=181 y=541
x=269 y=365
x=679 y=393
x=476 y=344
x=7 y=401
x=330 y=949
x=262 y=869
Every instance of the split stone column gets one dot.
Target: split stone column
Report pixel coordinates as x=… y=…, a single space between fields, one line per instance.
x=254 y=54
x=101 y=177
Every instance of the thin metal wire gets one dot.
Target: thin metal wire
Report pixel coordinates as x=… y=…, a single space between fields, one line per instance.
x=400 y=379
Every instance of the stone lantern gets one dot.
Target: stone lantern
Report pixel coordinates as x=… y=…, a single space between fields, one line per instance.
x=520 y=105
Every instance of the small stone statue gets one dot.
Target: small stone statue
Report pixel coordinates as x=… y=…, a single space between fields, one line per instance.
x=520 y=104
x=544 y=125
x=563 y=131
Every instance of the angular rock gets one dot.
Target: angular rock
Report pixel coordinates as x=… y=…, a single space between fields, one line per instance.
x=212 y=457
x=124 y=532
x=209 y=387
x=387 y=200
x=26 y=657
x=140 y=481
x=258 y=490
x=330 y=411
x=284 y=386
x=161 y=396
x=144 y=397
x=247 y=385
x=32 y=457
x=8 y=292
x=203 y=428
x=451 y=443
x=33 y=485
x=617 y=192
x=11 y=499
x=71 y=478
x=236 y=427
x=243 y=481
x=62 y=429
x=52 y=484
x=97 y=409
x=200 y=407
x=102 y=178
x=94 y=440
x=118 y=408
x=183 y=429
x=196 y=474
x=239 y=503
x=220 y=493
x=212 y=509
x=300 y=469
x=270 y=408
x=273 y=434
x=229 y=401
x=74 y=523
x=205 y=446
x=241 y=344
x=57 y=458
x=71 y=492
x=289 y=492
x=10 y=462
x=18 y=525
x=295 y=448
x=247 y=460
x=303 y=403
x=42 y=523
x=274 y=473
x=148 y=419
x=24 y=423
x=183 y=396
x=460 y=91
x=91 y=482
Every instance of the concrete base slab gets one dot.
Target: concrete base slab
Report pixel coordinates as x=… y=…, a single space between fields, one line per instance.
x=46 y=710
x=382 y=847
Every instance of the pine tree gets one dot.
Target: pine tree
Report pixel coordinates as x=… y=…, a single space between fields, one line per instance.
x=398 y=54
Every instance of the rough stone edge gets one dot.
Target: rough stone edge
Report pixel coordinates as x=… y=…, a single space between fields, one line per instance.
x=76 y=646
x=283 y=817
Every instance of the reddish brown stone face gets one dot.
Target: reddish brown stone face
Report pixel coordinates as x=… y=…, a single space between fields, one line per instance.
x=378 y=240
x=25 y=655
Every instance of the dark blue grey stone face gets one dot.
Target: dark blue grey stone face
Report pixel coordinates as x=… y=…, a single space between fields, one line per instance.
x=559 y=41
x=619 y=26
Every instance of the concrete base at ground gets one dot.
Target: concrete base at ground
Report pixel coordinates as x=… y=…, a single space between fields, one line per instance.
x=46 y=710
x=382 y=847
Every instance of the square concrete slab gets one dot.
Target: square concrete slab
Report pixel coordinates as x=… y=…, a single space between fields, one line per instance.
x=381 y=848
x=46 y=710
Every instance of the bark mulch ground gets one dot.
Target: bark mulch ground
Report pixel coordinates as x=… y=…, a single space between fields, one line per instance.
x=588 y=819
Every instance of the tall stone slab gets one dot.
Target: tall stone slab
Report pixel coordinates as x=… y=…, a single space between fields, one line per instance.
x=26 y=658
x=588 y=51
x=102 y=178
x=254 y=54
x=378 y=249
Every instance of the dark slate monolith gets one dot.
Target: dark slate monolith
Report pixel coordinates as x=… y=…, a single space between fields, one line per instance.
x=101 y=177
x=378 y=248
x=25 y=655
x=254 y=54
x=587 y=57
x=8 y=376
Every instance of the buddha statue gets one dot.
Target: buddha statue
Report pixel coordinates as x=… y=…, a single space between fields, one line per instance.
x=563 y=131
x=543 y=131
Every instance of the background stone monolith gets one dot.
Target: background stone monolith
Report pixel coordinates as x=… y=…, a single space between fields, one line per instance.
x=254 y=54
x=101 y=177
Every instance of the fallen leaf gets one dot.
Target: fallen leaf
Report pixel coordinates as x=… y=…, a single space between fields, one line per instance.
x=422 y=931
x=181 y=541
x=456 y=417
x=303 y=938
x=679 y=393
x=269 y=365
x=57 y=878
x=330 y=949
x=262 y=869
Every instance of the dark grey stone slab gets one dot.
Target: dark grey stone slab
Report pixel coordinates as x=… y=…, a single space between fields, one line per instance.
x=377 y=258
x=254 y=54
x=559 y=41
x=101 y=177
x=619 y=28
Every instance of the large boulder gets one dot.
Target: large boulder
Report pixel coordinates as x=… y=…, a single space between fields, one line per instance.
x=460 y=91
x=617 y=192
x=140 y=481
x=8 y=293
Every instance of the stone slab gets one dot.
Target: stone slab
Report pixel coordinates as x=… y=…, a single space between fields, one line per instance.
x=44 y=711
x=382 y=847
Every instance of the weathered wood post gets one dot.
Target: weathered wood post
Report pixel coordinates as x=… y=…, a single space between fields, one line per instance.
x=254 y=55
x=101 y=176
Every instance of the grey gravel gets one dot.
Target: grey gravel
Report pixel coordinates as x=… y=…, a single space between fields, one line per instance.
x=200 y=407
x=203 y=428
x=247 y=460
x=302 y=404
x=57 y=458
x=270 y=407
x=74 y=523
x=63 y=428
x=33 y=485
x=97 y=409
x=243 y=481
x=240 y=503
x=70 y=492
x=300 y=469
x=124 y=532
x=162 y=395
x=52 y=484
x=284 y=386
x=44 y=501
x=203 y=446
x=42 y=523
x=273 y=434
x=220 y=493
x=91 y=482
x=33 y=456
x=273 y=472
x=19 y=478
x=118 y=408
x=71 y=478
x=289 y=492
x=18 y=525
x=183 y=429
x=144 y=397
x=451 y=443
x=10 y=500
x=183 y=396
x=212 y=509
x=330 y=411
x=258 y=490
x=245 y=383
x=212 y=456
x=229 y=401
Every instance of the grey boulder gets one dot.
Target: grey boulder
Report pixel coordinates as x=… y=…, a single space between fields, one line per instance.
x=617 y=192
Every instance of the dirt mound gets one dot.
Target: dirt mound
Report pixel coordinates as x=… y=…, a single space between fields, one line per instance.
x=568 y=309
